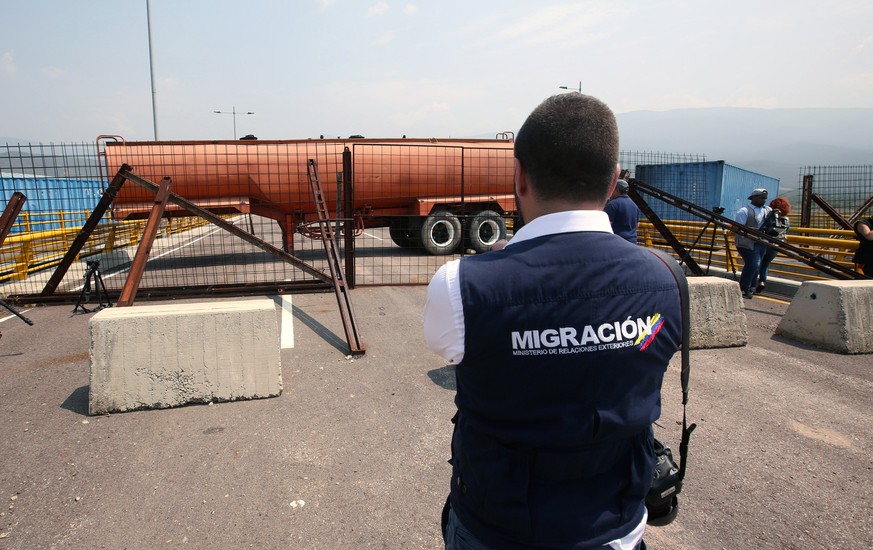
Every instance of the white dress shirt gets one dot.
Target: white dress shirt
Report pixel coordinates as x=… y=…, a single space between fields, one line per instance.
x=444 y=313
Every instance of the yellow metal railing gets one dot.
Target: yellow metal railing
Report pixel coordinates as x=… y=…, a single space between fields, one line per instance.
x=30 y=222
x=38 y=249
x=836 y=245
x=31 y=251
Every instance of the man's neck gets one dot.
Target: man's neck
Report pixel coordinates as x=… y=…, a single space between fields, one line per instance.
x=542 y=208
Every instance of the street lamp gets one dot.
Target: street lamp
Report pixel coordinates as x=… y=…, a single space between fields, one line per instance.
x=566 y=88
x=234 y=112
x=152 y=68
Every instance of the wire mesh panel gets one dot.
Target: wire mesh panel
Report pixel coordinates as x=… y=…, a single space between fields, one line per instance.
x=423 y=204
x=61 y=182
x=261 y=188
x=846 y=188
x=414 y=205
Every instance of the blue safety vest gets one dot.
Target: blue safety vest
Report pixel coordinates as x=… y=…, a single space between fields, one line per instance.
x=623 y=217
x=567 y=338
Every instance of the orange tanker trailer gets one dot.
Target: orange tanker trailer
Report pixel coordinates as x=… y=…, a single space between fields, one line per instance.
x=435 y=194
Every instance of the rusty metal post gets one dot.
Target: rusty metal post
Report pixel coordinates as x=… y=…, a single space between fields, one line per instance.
x=349 y=215
x=137 y=268
x=806 y=201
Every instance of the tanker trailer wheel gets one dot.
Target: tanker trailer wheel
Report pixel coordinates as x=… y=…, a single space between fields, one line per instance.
x=405 y=232
x=485 y=229
x=441 y=233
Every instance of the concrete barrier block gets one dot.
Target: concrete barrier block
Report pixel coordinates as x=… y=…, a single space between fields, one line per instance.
x=832 y=315
x=160 y=356
x=718 y=318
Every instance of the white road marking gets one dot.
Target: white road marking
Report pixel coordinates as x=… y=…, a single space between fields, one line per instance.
x=287 y=330
x=14 y=316
x=71 y=285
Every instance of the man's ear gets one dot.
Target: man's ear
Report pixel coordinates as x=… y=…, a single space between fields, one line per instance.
x=614 y=180
x=522 y=186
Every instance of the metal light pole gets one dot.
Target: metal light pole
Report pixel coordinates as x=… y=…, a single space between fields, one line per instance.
x=234 y=113
x=152 y=68
x=566 y=88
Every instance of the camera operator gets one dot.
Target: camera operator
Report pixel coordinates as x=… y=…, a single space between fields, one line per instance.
x=561 y=341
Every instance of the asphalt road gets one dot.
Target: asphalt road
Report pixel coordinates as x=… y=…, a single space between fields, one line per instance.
x=353 y=453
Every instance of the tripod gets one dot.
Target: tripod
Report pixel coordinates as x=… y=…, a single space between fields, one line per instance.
x=92 y=274
x=729 y=257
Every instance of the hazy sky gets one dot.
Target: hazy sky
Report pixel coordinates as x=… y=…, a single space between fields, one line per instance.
x=73 y=69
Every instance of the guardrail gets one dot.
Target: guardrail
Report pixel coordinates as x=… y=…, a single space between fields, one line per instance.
x=29 y=252
x=709 y=248
x=26 y=253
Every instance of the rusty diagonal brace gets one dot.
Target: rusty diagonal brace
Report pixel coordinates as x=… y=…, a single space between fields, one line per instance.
x=7 y=220
x=227 y=226
x=825 y=266
x=836 y=216
x=678 y=247
x=123 y=174
x=84 y=234
x=346 y=313
x=13 y=208
x=831 y=211
x=860 y=212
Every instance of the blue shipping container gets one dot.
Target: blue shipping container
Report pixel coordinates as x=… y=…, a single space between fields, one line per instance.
x=706 y=184
x=52 y=195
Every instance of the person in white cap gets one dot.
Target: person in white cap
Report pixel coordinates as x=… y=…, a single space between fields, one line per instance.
x=752 y=215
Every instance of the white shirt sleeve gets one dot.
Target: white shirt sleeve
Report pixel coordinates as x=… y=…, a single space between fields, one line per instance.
x=742 y=216
x=444 y=314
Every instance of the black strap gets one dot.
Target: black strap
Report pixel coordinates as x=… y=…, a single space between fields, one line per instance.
x=444 y=517
x=685 y=303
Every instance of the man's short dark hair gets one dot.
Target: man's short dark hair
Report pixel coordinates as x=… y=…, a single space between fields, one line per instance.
x=568 y=147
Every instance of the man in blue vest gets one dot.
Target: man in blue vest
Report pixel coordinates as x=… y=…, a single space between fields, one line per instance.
x=624 y=215
x=561 y=340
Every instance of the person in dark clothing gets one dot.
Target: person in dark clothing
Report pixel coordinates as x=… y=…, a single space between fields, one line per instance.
x=624 y=216
x=561 y=340
x=777 y=224
x=864 y=255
